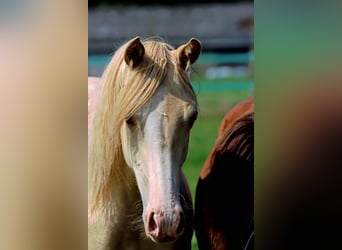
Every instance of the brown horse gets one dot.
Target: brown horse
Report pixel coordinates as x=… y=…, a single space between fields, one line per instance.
x=140 y=114
x=224 y=210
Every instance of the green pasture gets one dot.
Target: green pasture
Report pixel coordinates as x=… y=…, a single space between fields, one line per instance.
x=213 y=106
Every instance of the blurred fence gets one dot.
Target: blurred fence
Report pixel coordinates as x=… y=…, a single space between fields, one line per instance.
x=218 y=26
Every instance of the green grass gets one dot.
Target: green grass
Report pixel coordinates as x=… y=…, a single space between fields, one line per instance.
x=213 y=106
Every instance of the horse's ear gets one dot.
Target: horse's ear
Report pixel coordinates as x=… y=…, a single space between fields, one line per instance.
x=188 y=53
x=134 y=52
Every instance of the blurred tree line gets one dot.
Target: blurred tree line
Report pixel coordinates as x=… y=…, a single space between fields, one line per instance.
x=94 y=3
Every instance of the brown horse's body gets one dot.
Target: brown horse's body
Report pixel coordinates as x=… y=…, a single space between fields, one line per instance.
x=224 y=193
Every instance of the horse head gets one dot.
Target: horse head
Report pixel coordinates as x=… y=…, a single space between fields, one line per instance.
x=155 y=136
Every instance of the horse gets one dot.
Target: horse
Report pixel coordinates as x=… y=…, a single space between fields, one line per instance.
x=223 y=212
x=139 y=119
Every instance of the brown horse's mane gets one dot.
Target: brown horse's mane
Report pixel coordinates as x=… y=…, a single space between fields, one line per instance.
x=238 y=139
x=120 y=94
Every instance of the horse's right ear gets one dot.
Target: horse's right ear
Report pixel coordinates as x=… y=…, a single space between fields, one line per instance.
x=188 y=53
x=134 y=52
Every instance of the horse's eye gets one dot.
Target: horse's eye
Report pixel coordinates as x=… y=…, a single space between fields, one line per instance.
x=131 y=121
x=193 y=118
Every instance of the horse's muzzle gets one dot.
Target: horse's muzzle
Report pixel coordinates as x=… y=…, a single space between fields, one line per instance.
x=165 y=225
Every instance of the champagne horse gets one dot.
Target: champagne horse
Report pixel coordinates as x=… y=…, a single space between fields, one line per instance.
x=140 y=113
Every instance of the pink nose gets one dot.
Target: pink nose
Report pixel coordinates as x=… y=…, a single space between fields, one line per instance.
x=164 y=225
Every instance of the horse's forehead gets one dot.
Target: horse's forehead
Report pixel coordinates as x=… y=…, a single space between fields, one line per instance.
x=173 y=98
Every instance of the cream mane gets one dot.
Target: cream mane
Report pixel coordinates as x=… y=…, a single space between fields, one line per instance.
x=120 y=94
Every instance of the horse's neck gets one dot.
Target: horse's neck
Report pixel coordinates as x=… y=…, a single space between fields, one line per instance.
x=121 y=205
x=127 y=219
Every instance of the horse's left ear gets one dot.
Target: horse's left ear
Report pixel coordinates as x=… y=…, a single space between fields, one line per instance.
x=134 y=53
x=188 y=53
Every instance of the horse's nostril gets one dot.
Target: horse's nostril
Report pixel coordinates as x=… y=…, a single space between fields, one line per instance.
x=181 y=224
x=165 y=226
x=152 y=225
